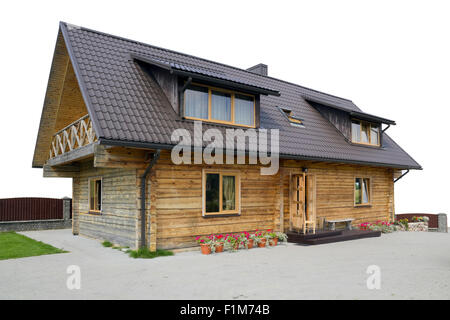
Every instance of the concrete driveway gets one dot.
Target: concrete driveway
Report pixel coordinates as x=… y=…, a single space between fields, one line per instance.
x=412 y=265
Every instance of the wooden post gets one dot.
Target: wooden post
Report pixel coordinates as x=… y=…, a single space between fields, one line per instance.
x=281 y=200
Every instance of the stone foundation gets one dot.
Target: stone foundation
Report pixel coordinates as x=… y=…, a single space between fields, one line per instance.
x=417 y=226
x=31 y=225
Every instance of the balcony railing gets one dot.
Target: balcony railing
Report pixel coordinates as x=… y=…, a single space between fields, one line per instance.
x=76 y=135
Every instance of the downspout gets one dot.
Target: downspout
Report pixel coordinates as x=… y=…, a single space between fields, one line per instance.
x=143 y=193
x=407 y=171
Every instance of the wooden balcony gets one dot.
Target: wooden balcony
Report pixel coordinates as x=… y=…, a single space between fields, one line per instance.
x=76 y=135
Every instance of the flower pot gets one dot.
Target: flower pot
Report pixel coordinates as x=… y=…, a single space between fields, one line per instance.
x=250 y=244
x=274 y=242
x=206 y=248
x=219 y=247
x=262 y=243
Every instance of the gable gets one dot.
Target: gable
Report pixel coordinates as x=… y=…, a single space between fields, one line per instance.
x=63 y=102
x=71 y=106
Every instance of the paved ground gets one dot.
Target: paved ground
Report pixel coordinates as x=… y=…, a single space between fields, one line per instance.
x=413 y=266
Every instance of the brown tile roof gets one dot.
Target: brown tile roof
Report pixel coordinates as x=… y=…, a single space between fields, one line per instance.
x=126 y=105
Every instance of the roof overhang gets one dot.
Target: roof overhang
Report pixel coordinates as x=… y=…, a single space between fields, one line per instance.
x=369 y=117
x=352 y=113
x=205 y=75
x=154 y=146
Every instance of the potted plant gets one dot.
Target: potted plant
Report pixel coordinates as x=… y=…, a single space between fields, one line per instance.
x=260 y=238
x=205 y=244
x=282 y=237
x=218 y=243
x=272 y=238
x=232 y=242
x=245 y=240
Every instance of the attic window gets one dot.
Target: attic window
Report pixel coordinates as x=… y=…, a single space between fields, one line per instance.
x=295 y=121
x=219 y=105
x=365 y=132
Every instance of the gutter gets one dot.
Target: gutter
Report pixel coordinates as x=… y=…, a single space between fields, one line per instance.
x=143 y=192
x=407 y=171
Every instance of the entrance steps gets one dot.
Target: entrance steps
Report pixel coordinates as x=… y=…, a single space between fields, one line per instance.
x=323 y=237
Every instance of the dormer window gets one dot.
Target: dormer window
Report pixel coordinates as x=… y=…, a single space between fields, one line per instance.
x=295 y=121
x=365 y=132
x=219 y=105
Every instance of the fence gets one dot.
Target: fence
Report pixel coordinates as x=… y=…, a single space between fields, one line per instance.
x=433 y=223
x=26 y=209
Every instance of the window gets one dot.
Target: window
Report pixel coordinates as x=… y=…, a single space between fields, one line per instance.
x=243 y=109
x=365 y=133
x=297 y=122
x=220 y=192
x=95 y=195
x=196 y=102
x=362 y=191
x=219 y=105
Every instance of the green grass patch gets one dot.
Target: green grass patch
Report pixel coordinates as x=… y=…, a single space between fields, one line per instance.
x=13 y=245
x=145 y=253
x=107 y=244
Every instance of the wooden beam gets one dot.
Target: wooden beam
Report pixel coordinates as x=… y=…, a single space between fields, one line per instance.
x=68 y=171
x=71 y=156
x=120 y=157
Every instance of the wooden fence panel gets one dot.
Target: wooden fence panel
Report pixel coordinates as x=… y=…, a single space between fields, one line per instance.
x=22 y=209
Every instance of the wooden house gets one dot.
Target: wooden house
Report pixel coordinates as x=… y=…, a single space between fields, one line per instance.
x=112 y=105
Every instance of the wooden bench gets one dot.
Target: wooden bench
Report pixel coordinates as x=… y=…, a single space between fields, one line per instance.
x=332 y=223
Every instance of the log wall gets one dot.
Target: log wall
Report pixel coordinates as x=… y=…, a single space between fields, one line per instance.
x=176 y=209
x=335 y=191
x=174 y=199
x=118 y=220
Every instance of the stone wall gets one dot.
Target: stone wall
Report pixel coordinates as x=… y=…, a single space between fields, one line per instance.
x=417 y=226
x=442 y=222
x=32 y=225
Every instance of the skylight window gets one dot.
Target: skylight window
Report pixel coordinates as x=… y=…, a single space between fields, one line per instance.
x=294 y=121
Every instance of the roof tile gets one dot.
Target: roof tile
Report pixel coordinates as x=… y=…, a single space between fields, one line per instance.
x=130 y=106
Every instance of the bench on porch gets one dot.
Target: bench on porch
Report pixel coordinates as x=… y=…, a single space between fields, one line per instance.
x=331 y=224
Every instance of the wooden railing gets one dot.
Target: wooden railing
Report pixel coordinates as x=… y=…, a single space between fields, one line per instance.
x=77 y=134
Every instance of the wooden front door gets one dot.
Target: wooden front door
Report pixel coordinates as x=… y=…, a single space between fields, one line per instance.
x=310 y=208
x=297 y=205
x=303 y=203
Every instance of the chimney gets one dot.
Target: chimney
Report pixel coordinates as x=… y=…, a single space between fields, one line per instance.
x=259 y=69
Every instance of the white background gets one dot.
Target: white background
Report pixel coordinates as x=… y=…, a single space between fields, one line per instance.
x=392 y=58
